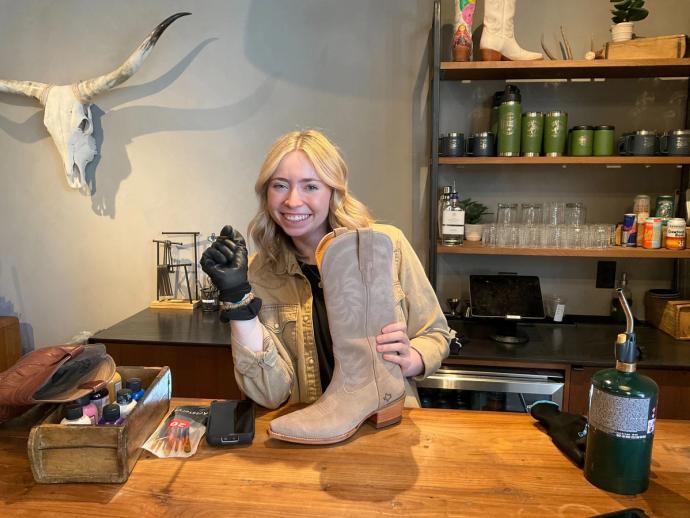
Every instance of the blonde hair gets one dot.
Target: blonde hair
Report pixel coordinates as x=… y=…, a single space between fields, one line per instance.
x=344 y=210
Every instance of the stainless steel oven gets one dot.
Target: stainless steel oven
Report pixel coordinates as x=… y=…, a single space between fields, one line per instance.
x=488 y=388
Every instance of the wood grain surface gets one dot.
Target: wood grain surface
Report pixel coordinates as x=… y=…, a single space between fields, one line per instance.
x=434 y=463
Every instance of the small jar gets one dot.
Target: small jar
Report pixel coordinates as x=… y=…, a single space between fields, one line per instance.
x=134 y=384
x=88 y=408
x=455 y=144
x=75 y=416
x=111 y=416
x=125 y=402
x=100 y=398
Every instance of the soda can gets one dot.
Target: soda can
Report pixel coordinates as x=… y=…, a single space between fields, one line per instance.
x=629 y=237
x=664 y=206
x=652 y=233
x=675 y=234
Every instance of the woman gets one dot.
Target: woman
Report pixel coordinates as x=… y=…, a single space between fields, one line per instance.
x=281 y=344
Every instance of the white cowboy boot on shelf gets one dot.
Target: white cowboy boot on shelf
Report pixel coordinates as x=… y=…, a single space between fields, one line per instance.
x=498 y=38
x=357 y=275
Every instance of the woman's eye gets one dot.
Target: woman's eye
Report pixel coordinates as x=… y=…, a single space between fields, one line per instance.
x=312 y=187
x=279 y=186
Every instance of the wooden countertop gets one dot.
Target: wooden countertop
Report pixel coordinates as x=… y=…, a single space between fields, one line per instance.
x=434 y=463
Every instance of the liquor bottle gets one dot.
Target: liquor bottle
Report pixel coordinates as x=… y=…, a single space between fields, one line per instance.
x=443 y=198
x=616 y=309
x=453 y=221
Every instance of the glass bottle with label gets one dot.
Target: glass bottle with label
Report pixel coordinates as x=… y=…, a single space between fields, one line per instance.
x=453 y=221
x=443 y=198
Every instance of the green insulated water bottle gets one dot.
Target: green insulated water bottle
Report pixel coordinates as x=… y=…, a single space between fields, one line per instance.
x=509 y=122
x=622 y=414
x=495 y=105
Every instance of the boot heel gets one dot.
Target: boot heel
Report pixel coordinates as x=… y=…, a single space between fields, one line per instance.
x=388 y=415
x=491 y=55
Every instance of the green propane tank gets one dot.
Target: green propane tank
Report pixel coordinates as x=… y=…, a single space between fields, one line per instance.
x=622 y=413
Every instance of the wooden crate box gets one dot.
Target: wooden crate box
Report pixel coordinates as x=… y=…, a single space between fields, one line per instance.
x=62 y=453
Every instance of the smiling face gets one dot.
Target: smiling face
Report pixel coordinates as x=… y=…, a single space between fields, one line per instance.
x=298 y=201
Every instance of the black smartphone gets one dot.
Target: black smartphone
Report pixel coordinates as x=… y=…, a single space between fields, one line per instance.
x=230 y=422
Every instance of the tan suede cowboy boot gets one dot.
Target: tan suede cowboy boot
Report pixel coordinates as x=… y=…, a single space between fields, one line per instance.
x=357 y=275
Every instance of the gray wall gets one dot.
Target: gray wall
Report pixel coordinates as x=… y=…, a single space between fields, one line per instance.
x=181 y=142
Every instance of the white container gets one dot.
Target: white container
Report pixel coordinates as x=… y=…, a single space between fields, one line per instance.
x=74 y=415
x=125 y=402
x=473 y=231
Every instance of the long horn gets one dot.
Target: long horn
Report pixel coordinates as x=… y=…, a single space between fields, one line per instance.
x=90 y=88
x=28 y=88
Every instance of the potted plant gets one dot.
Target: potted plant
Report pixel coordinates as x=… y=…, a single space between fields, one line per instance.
x=624 y=14
x=473 y=214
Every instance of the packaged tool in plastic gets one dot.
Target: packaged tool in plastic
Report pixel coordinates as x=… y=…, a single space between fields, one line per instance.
x=179 y=434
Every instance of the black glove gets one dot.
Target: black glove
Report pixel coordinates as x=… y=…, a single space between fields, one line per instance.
x=567 y=431
x=225 y=262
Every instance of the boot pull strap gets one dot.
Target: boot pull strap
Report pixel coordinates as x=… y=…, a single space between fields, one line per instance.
x=365 y=250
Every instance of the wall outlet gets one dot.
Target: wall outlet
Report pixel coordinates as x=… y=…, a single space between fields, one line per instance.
x=606 y=274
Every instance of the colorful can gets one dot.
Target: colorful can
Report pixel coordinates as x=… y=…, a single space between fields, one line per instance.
x=629 y=237
x=652 y=233
x=641 y=204
x=641 y=218
x=664 y=206
x=675 y=234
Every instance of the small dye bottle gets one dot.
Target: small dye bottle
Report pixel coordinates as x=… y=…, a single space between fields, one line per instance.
x=88 y=408
x=111 y=415
x=100 y=399
x=134 y=384
x=75 y=416
x=125 y=402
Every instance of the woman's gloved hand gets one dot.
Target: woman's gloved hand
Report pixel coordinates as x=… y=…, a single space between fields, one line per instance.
x=225 y=262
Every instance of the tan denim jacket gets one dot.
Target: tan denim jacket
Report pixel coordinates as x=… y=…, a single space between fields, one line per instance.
x=287 y=368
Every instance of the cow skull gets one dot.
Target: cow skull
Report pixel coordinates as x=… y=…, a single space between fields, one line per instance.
x=68 y=107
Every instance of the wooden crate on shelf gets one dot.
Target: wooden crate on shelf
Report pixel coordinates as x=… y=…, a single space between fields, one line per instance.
x=61 y=453
x=670 y=316
x=660 y=47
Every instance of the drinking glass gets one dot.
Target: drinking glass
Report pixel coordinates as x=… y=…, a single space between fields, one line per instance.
x=555 y=213
x=489 y=235
x=599 y=236
x=506 y=213
x=531 y=213
x=577 y=236
x=507 y=236
x=575 y=214
x=557 y=236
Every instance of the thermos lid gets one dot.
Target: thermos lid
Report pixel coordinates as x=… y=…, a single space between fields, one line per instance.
x=511 y=94
x=556 y=113
x=111 y=412
x=584 y=127
x=680 y=132
x=532 y=114
x=498 y=97
x=604 y=127
x=73 y=412
x=483 y=134
x=645 y=132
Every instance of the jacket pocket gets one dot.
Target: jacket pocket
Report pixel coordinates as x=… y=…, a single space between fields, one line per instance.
x=282 y=321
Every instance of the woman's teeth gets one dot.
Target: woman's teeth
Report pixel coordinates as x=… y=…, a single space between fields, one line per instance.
x=291 y=217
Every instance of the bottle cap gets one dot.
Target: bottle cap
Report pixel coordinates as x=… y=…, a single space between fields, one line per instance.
x=124 y=396
x=111 y=412
x=134 y=384
x=498 y=98
x=73 y=412
x=83 y=401
x=99 y=394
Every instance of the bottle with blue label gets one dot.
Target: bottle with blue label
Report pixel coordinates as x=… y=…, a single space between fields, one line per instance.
x=134 y=384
